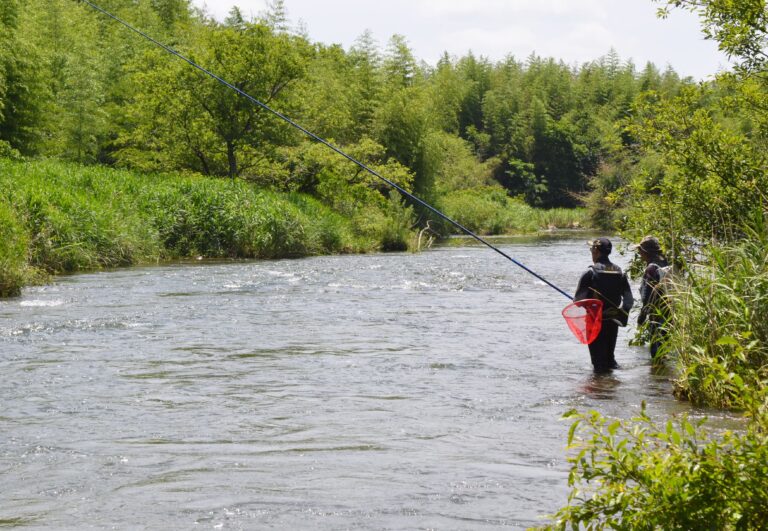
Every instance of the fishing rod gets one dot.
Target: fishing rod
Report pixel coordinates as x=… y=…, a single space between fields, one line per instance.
x=317 y=138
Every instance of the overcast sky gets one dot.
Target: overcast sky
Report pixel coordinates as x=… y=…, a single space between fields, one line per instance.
x=575 y=31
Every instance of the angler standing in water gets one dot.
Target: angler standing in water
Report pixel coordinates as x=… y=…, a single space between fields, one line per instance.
x=654 y=311
x=606 y=282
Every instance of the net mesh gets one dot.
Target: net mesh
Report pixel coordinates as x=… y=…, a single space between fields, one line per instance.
x=584 y=318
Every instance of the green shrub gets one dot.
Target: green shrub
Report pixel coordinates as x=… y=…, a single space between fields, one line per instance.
x=638 y=475
x=13 y=259
x=224 y=219
x=68 y=218
x=488 y=210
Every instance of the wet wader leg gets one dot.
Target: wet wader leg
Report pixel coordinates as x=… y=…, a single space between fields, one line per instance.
x=657 y=337
x=601 y=349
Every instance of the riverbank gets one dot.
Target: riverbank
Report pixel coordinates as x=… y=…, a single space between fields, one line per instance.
x=62 y=218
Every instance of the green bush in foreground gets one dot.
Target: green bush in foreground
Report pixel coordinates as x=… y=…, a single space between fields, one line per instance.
x=637 y=475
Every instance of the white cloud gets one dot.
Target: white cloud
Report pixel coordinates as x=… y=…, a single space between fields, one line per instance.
x=493 y=43
x=494 y=8
x=586 y=40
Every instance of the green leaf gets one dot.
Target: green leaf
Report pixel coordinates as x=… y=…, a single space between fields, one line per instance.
x=727 y=340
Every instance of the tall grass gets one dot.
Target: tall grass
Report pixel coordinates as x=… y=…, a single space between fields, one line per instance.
x=562 y=218
x=13 y=245
x=490 y=210
x=719 y=333
x=57 y=218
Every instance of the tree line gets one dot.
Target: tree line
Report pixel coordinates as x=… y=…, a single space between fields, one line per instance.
x=75 y=85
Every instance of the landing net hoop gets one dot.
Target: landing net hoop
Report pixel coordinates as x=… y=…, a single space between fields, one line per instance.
x=585 y=319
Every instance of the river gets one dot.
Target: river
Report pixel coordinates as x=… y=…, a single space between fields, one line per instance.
x=382 y=391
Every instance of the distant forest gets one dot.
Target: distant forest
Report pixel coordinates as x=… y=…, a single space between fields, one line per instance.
x=75 y=85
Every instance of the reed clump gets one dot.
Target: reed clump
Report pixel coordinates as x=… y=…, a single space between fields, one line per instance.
x=719 y=334
x=490 y=210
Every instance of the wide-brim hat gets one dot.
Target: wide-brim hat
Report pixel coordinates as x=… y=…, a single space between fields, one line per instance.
x=649 y=244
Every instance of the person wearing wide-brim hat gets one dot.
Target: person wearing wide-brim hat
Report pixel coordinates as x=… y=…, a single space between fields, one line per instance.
x=606 y=282
x=654 y=311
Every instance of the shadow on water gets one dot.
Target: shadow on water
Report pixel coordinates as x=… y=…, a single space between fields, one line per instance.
x=601 y=386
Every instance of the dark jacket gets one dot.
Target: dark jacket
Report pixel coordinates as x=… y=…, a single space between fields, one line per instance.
x=605 y=281
x=650 y=291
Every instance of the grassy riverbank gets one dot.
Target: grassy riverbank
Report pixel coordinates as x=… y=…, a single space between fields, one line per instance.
x=60 y=218
x=490 y=210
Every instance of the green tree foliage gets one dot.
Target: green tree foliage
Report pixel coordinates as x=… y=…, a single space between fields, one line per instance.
x=338 y=182
x=713 y=174
x=22 y=90
x=366 y=76
x=326 y=98
x=709 y=141
x=638 y=474
x=74 y=70
x=184 y=119
x=740 y=29
x=476 y=74
x=400 y=68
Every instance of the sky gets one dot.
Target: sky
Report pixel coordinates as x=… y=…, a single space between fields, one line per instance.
x=575 y=31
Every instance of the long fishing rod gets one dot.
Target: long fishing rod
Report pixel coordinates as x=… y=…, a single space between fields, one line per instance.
x=324 y=142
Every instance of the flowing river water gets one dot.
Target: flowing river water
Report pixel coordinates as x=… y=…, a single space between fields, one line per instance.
x=383 y=391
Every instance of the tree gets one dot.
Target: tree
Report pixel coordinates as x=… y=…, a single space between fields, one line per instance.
x=22 y=90
x=185 y=120
x=448 y=91
x=368 y=80
x=476 y=73
x=400 y=68
x=711 y=139
x=325 y=97
x=73 y=70
x=172 y=13
x=276 y=16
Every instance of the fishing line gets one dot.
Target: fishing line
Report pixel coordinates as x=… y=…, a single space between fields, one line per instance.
x=326 y=143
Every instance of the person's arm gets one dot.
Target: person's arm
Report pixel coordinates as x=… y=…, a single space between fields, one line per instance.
x=648 y=287
x=627 y=300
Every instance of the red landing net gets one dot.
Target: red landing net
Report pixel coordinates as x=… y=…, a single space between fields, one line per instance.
x=584 y=318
